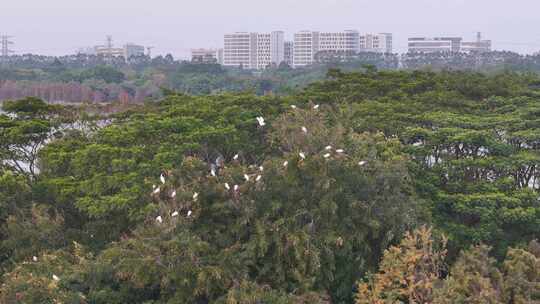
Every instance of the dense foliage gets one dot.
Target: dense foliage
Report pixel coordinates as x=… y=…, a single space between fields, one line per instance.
x=197 y=199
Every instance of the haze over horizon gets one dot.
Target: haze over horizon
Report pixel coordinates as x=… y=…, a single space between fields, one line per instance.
x=59 y=27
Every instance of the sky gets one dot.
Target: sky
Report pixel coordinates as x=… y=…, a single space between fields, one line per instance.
x=58 y=27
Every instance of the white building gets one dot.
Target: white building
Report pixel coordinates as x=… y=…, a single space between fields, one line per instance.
x=288 y=53
x=434 y=45
x=477 y=46
x=306 y=45
x=253 y=50
x=133 y=50
x=378 y=43
x=206 y=56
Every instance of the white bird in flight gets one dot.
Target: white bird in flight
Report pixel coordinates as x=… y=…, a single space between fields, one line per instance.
x=174 y=214
x=304 y=129
x=195 y=196
x=159 y=219
x=227 y=186
x=162 y=178
x=260 y=119
x=302 y=155
x=55 y=277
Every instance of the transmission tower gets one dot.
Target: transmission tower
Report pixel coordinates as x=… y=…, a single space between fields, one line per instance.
x=5 y=43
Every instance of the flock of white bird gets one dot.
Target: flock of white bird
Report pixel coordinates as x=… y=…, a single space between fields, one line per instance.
x=261 y=122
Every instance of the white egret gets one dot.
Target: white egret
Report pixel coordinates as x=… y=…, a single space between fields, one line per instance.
x=162 y=178
x=328 y=148
x=213 y=172
x=293 y=107
x=189 y=213
x=304 y=129
x=195 y=196
x=156 y=191
x=55 y=277
x=236 y=187
x=173 y=194
x=261 y=168
x=340 y=150
x=327 y=155
x=261 y=122
x=227 y=186
x=315 y=107
x=246 y=177
x=361 y=163
x=285 y=163
x=34 y=258
x=258 y=178
x=302 y=155
x=235 y=157
x=159 y=219
x=174 y=214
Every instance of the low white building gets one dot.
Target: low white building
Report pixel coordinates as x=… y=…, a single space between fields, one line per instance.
x=377 y=43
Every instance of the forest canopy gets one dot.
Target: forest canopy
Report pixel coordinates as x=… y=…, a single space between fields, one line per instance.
x=365 y=187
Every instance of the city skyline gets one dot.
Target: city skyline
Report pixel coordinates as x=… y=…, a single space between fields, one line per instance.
x=175 y=28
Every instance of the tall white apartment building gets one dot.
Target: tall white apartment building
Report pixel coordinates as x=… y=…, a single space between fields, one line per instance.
x=378 y=43
x=254 y=50
x=307 y=44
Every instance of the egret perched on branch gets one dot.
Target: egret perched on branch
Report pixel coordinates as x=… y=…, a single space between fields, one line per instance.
x=246 y=177
x=302 y=155
x=315 y=107
x=162 y=178
x=340 y=150
x=55 y=277
x=227 y=186
x=195 y=196
x=174 y=214
x=304 y=129
x=34 y=258
x=159 y=219
x=236 y=187
x=213 y=172
x=173 y=194
x=285 y=163
x=258 y=178
x=261 y=168
x=328 y=148
x=293 y=107
x=235 y=157
x=361 y=163
x=156 y=191
x=327 y=155
x=189 y=213
x=260 y=119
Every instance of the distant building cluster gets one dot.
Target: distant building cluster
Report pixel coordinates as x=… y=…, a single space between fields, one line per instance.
x=251 y=50
x=127 y=51
x=448 y=45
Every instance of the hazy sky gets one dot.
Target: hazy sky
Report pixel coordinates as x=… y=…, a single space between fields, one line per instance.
x=174 y=26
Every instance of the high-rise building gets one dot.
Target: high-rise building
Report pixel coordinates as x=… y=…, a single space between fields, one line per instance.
x=378 y=43
x=133 y=50
x=306 y=45
x=254 y=50
x=288 y=53
x=433 y=45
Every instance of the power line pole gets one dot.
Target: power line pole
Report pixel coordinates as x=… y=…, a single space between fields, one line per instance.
x=5 y=43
